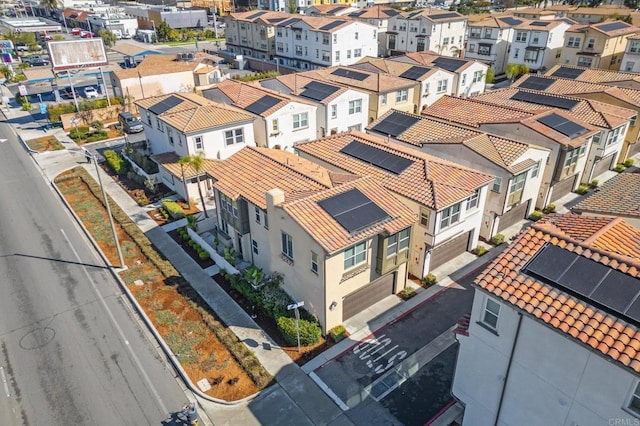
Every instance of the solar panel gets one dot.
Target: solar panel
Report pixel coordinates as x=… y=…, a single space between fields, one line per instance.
x=395 y=124
x=443 y=15
x=564 y=72
x=563 y=125
x=548 y=100
x=275 y=20
x=414 y=73
x=449 y=64
x=342 y=72
x=510 y=21
x=165 y=105
x=536 y=83
x=353 y=210
x=263 y=104
x=539 y=24
x=618 y=25
x=289 y=21
x=318 y=91
x=255 y=15
x=332 y=25
x=594 y=282
x=379 y=158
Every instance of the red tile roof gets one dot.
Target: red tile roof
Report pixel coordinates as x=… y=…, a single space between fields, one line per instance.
x=619 y=196
x=597 y=329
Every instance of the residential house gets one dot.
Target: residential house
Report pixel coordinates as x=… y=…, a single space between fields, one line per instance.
x=310 y=42
x=77 y=18
x=553 y=335
x=291 y=220
x=221 y=7
x=612 y=121
x=618 y=197
x=555 y=11
x=385 y=91
x=489 y=40
x=150 y=16
x=470 y=74
x=181 y=124
x=114 y=21
x=631 y=58
x=253 y=33
x=599 y=45
x=593 y=15
x=338 y=108
x=537 y=44
x=446 y=198
x=431 y=82
x=284 y=121
x=339 y=9
x=420 y=30
x=162 y=74
x=379 y=17
x=567 y=80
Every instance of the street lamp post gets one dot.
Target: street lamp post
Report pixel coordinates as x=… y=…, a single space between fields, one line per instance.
x=295 y=307
x=94 y=158
x=73 y=91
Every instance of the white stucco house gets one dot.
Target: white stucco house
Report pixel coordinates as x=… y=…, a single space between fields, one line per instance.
x=489 y=40
x=538 y=44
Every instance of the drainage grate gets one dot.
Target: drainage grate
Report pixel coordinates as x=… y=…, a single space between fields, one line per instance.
x=383 y=386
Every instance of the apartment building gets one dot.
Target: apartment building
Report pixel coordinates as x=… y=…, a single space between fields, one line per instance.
x=379 y=17
x=253 y=33
x=631 y=58
x=489 y=40
x=538 y=44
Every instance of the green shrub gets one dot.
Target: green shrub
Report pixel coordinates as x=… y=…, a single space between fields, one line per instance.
x=480 y=250
x=230 y=255
x=203 y=255
x=407 y=293
x=117 y=163
x=619 y=168
x=257 y=76
x=338 y=333
x=551 y=208
x=594 y=183
x=55 y=111
x=310 y=332
x=497 y=239
x=429 y=280
x=26 y=106
x=536 y=215
x=628 y=162
x=173 y=209
x=582 y=189
x=274 y=301
x=79 y=133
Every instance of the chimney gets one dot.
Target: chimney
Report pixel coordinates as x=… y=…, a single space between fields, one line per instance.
x=274 y=197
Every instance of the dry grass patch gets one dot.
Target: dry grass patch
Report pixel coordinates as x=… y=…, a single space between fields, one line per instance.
x=45 y=143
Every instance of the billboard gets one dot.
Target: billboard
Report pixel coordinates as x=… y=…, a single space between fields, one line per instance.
x=73 y=54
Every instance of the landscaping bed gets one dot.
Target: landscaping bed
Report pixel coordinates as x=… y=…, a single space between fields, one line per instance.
x=138 y=191
x=203 y=263
x=45 y=143
x=204 y=346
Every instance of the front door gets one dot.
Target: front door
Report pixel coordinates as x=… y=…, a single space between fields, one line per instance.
x=239 y=237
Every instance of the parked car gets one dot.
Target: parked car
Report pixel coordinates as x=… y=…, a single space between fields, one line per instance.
x=86 y=34
x=36 y=61
x=22 y=48
x=67 y=93
x=76 y=31
x=90 y=92
x=130 y=123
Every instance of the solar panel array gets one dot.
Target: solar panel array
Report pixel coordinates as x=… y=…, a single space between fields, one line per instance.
x=414 y=73
x=289 y=21
x=618 y=25
x=548 y=100
x=395 y=124
x=263 y=104
x=318 y=91
x=605 y=287
x=332 y=25
x=563 y=125
x=377 y=157
x=539 y=24
x=444 y=16
x=165 y=105
x=564 y=72
x=536 y=83
x=342 y=72
x=510 y=21
x=449 y=64
x=353 y=210
x=255 y=15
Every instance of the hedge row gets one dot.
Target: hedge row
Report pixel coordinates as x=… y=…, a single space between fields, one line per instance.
x=118 y=164
x=173 y=208
x=202 y=253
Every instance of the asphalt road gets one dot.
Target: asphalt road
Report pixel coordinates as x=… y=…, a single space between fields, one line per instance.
x=71 y=351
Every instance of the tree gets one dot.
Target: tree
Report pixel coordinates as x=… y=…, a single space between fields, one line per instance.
x=184 y=162
x=292 y=6
x=50 y=5
x=490 y=76
x=6 y=72
x=514 y=71
x=197 y=162
x=108 y=37
x=162 y=31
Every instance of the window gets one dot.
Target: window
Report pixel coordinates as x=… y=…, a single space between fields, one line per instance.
x=613 y=136
x=477 y=76
x=445 y=42
x=531 y=55
x=355 y=255
x=475 y=32
x=335 y=38
x=442 y=86
x=573 y=42
x=424 y=217
x=472 y=202
x=298 y=50
x=275 y=125
x=487 y=33
x=398 y=242
x=383 y=99
x=279 y=47
x=337 y=55
x=159 y=124
x=233 y=136
x=300 y=121
x=591 y=43
x=535 y=38
x=633 y=120
x=254 y=246
x=325 y=39
x=199 y=143
x=535 y=170
x=585 y=62
x=287 y=245
x=582 y=150
x=521 y=36
x=472 y=48
x=334 y=111
x=257 y=210
x=629 y=66
x=356 y=35
x=402 y=95
x=572 y=158
x=491 y=313
x=326 y=56
x=484 y=49
x=516 y=188
x=357 y=53
x=634 y=47
x=450 y=215
x=170 y=136
x=497 y=183
x=314 y=262
x=516 y=53
x=464 y=79
x=266 y=219
x=228 y=205
x=349 y=54
x=355 y=106
x=148 y=118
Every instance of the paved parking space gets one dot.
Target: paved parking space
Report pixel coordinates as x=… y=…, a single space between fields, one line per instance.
x=402 y=373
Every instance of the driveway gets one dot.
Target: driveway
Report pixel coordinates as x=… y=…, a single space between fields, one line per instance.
x=402 y=373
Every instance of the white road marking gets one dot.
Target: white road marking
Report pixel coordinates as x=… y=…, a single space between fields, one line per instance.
x=3 y=140
x=328 y=391
x=141 y=369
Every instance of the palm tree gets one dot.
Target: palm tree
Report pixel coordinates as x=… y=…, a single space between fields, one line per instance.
x=6 y=71
x=50 y=5
x=197 y=162
x=184 y=162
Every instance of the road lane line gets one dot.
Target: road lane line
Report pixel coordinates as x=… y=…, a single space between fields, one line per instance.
x=117 y=326
x=328 y=391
